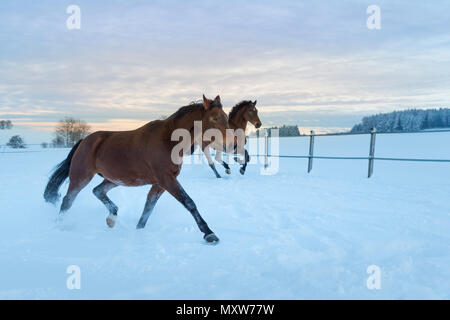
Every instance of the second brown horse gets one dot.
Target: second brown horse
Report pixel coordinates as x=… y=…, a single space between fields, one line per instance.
x=240 y=115
x=135 y=158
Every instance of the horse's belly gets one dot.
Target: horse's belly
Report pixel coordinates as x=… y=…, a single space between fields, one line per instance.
x=124 y=170
x=127 y=178
x=129 y=182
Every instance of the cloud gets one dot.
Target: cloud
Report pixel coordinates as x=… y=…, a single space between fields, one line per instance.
x=300 y=60
x=112 y=124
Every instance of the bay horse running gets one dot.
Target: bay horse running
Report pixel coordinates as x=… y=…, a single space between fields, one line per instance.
x=135 y=158
x=242 y=113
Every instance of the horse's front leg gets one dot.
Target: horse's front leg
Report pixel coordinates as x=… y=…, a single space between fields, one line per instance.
x=211 y=162
x=172 y=185
x=246 y=160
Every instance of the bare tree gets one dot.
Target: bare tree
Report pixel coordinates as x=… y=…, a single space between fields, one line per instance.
x=57 y=142
x=69 y=131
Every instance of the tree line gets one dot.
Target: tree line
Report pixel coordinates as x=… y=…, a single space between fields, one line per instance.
x=67 y=133
x=405 y=121
x=283 y=131
x=286 y=131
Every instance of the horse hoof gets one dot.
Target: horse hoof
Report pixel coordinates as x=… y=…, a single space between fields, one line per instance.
x=211 y=238
x=228 y=171
x=242 y=171
x=111 y=221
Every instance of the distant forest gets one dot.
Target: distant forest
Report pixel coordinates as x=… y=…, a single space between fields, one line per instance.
x=406 y=121
x=286 y=131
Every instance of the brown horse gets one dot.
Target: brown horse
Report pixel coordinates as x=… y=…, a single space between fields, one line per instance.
x=135 y=158
x=242 y=113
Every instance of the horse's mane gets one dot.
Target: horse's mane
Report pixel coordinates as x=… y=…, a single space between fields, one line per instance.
x=190 y=108
x=237 y=107
x=186 y=109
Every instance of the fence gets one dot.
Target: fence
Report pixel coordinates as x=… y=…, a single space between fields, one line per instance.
x=370 y=158
x=6 y=149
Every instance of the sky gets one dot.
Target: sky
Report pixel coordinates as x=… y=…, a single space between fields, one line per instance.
x=310 y=63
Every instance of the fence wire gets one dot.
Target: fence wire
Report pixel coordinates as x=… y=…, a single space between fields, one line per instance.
x=3 y=147
x=358 y=158
x=349 y=158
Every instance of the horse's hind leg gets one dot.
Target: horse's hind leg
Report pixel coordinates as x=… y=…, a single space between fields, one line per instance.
x=155 y=192
x=75 y=186
x=227 y=167
x=100 y=192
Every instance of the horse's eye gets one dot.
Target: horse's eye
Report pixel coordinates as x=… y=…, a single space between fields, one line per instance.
x=215 y=118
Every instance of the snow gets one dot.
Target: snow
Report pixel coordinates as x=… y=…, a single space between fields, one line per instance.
x=291 y=235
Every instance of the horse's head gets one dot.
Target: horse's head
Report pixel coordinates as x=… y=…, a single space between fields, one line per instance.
x=251 y=114
x=215 y=118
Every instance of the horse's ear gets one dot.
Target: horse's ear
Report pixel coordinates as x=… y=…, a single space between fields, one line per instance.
x=217 y=99
x=206 y=103
x=254 y=103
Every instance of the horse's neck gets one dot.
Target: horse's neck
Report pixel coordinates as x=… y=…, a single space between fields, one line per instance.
x=186 y=121
x=238 y=122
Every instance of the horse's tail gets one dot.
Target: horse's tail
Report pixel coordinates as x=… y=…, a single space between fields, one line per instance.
x=59 y=175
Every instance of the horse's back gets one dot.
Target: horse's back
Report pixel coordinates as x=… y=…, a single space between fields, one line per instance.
x=122 y=156
x=118 y=142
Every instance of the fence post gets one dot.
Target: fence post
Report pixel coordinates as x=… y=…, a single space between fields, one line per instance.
x=371 y=151
x=266 y=147
x=258 y=152
x=311 y=151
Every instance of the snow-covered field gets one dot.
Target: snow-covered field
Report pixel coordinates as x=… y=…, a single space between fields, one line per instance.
x=291 y=235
